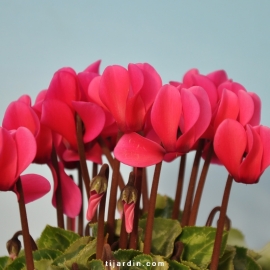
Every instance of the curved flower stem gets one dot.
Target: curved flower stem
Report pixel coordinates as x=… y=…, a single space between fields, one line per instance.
x=227 y=224
x=101 y=213
x=145 y=198
x=14 y=242
x=106 y=151
x=151 y=210
x=180 y=182
x=25 y=228
x=58 y=192
x=211 y=216
x=221 y=221
x=192 y=184
x=81 y=151
x=138 y=185
x=113 y=194
x=199 y=191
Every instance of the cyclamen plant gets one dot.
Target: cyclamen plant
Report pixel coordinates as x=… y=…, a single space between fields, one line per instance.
x=129 y=116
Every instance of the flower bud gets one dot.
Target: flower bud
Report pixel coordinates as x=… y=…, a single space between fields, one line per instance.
x=129 y=194
x=13 y=247
x=129 y=198
x=99 y=184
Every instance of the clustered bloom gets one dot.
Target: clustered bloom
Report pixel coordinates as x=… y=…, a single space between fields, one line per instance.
x=156 y=121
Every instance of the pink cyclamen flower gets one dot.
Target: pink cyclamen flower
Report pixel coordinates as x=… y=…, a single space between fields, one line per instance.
x=127 y=94
x=17 y=151
x=244 y=152
x=20 y=113
x=179 y=118
x=64 y=99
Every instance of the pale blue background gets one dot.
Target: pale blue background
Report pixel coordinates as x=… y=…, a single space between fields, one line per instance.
x=37 y=38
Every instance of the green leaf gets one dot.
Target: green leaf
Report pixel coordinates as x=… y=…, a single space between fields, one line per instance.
x=192 y=265
x=142 y=262
x=56 y=238
x=159 y=263
x=264 y=261
x=96 y=265
x=72 y=250
x=226 y=261
x=43 y=258
x=165 y=231
x=124 y=256
x=236 y=238
x=17 y=264
x=164 y=207
x=94 y=228
x=79 y=255
x=243 y=262
x=4 y=261
x=78 y=244
x=174 y=265
x=198 y=244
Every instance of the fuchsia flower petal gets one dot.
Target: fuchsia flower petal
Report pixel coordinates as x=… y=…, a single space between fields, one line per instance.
x=93 y=153
x=94 y=67
x=39 y=101
x=71 y=194
x=191 y=110
x=93 y=118
x=197 y=116
x=231 y=86
x=34 y=187
x=93 y=92
x=264 y=133
x=135 y=108
x=129 y=216
x=217 y=77
x=135 y=113
x=25 y=99
x=93 y=203
x=26 y=149
x=188 y=79
x=246 y=107
x=136 y=78
x=19 y=114
x=64 y=86
x=59 y=117
x=208 y=86
x=114 y=90
x=44 y=145
x=230 y=143
x=84 y=79
x=228 y=108
x=151 y=84
x=8 y=160
x=250 y=169
x=165 y=116
x=135 y=150
x=256 y=118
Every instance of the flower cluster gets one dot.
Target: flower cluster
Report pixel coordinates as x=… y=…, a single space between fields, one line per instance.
x=130 y=112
